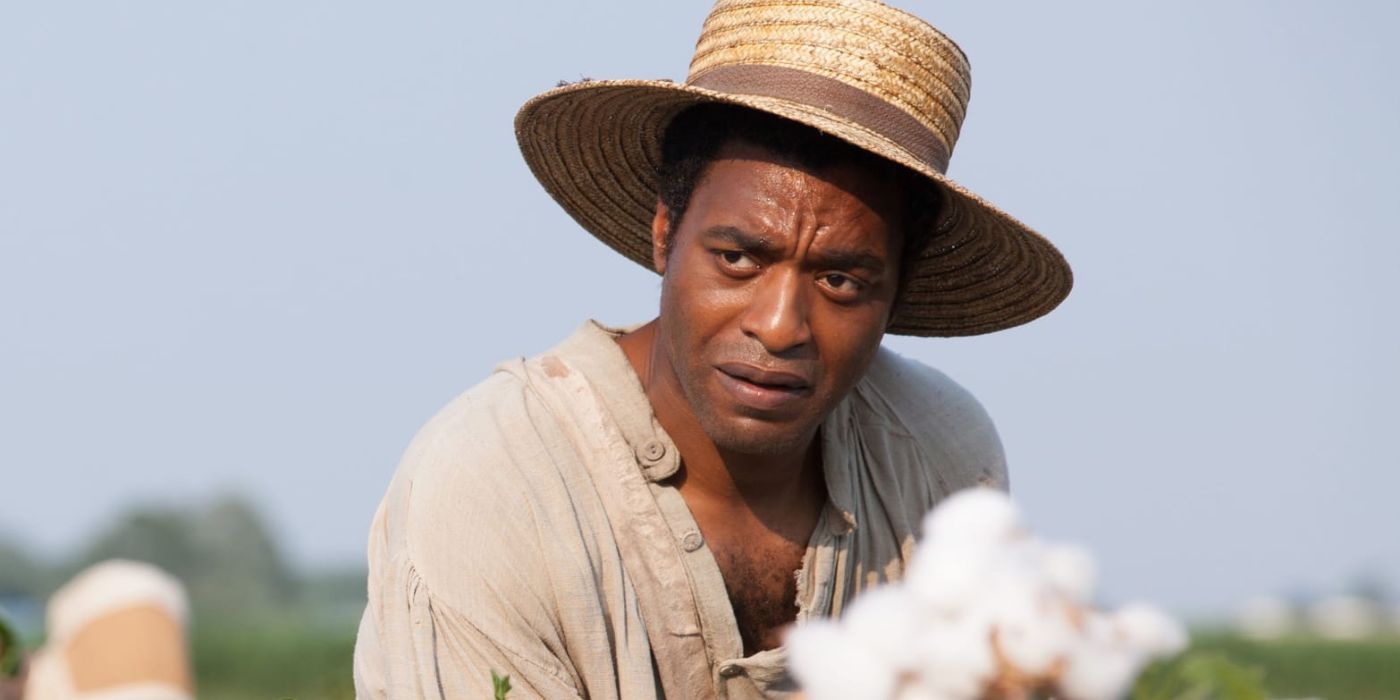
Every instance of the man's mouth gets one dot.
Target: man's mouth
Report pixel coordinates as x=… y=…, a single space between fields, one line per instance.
x=763 y=389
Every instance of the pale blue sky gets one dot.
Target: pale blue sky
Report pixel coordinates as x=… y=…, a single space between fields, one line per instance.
x=255 y=245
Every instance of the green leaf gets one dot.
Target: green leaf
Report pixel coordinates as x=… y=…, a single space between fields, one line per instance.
x=10 y=650
x=1200 y=676
x=501 y=684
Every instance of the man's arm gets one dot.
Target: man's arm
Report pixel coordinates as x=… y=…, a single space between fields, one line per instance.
x=459 y=586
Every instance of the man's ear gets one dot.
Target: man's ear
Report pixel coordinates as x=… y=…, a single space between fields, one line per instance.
x=660 y=225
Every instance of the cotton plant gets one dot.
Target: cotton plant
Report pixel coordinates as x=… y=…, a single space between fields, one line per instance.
x=986 y=610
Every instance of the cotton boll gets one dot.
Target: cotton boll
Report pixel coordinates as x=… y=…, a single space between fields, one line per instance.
x=1019 y=559
x=1070 y=569
x=1104 y=663
x=884 y=621
x=947 y=576
x=1096 y=672
x=1033 y=629
x=956 y=660
x=829 y=665
x=984 y=609
x=915 y=691
x=978 y=514
x=1149 y=631
x=1033 y=649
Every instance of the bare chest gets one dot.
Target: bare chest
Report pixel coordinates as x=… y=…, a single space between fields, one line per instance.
x=760 y=576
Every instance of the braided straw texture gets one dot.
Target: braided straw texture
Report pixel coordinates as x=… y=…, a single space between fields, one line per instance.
x=893 y=56
x=595 y=146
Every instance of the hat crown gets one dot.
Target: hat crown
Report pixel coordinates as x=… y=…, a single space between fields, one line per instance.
x=866 y=61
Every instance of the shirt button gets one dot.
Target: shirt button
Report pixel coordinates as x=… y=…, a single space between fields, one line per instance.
x=652 y=451
x=730 y=670
x=692 y=541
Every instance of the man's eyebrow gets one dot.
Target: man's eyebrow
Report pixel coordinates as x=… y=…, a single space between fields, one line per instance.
x=848 y=259
x=741 y=239
x=831 y=258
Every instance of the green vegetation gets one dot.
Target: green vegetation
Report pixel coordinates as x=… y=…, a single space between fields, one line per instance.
x=1200 y=675
x=309 y=662
x=21 y=574
x=501 y=684
x=1306 y=667
x=9 y=650
x=223 y=552
x=272 y=658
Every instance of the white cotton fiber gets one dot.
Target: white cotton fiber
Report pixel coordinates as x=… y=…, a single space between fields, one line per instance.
x=1033 y=628
x=883 y=621
x=949 y=577
x=1149 y=631
x=1097 y=672
x=978 y=515
x=984 y=606
x=955 y=659
x=912 y=691
x=1070 y=569
x=832 y=667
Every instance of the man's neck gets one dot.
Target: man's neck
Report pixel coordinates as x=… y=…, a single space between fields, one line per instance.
x=765 y=484
x=757 y=513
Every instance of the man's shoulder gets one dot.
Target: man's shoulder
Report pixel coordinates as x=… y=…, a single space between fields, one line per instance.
x=931 y=408
x=485 y=464
x=475 y=422
x=466 y=441
x=501 y=438
x=908 y=390
x=502 y=421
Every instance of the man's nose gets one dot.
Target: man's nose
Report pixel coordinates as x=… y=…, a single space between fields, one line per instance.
x=777 y=313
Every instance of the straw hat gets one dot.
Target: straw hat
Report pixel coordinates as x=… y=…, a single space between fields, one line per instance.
x=860 y=70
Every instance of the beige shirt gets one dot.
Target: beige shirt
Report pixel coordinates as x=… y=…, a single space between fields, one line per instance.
x=529 y=531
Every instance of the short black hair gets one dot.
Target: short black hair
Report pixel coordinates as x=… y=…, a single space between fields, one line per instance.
x=695 y=136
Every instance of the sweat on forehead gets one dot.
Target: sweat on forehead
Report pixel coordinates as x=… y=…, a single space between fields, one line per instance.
x=750 y=187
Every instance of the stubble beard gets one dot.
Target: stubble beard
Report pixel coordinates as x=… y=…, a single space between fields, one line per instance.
x=731 y=433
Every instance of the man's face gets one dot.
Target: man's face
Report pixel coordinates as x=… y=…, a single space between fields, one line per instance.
x=778 y=285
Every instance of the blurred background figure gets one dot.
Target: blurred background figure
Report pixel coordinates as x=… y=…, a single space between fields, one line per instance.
x=116 y=631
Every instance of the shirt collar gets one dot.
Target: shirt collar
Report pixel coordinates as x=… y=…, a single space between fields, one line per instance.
x=593 y=349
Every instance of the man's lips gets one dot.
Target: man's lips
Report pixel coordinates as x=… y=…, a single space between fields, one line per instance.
x=764 y=377
x=763 y=389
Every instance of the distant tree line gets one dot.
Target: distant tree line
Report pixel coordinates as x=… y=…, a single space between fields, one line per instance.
x=222 y=551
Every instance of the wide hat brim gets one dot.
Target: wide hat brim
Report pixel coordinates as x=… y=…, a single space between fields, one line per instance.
x=595 y=146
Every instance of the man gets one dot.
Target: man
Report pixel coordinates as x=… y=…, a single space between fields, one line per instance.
x=640 y=512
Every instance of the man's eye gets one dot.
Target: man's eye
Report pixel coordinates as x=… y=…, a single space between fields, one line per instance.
x=841 y=284
x=737 y=260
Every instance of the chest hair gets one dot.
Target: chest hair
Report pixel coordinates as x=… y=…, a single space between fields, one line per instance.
x=761 y=580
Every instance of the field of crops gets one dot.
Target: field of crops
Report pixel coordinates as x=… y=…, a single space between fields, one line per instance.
x=1303 y=667
x=274 y=660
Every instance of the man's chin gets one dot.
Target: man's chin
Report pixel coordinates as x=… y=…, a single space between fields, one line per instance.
x=755 y=437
